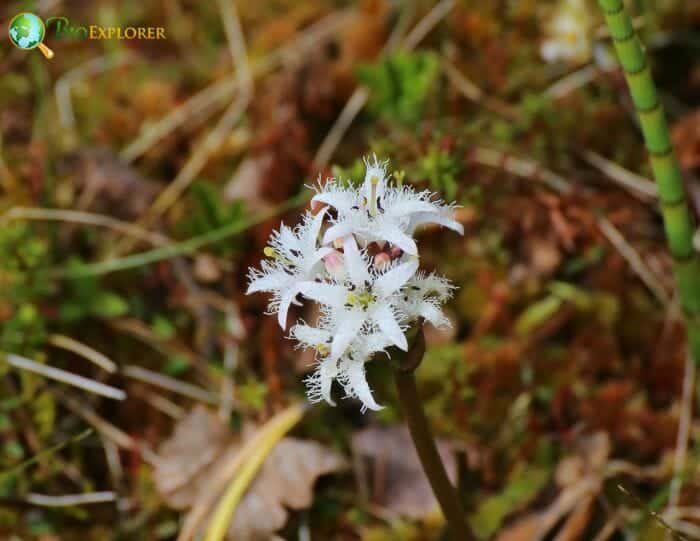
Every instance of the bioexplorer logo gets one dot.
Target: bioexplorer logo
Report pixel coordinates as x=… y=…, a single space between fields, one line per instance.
x=27 y=31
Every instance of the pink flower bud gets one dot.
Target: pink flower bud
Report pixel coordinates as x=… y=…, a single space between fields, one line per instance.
x=395 y=252
x=334 y=263
x=382 y=260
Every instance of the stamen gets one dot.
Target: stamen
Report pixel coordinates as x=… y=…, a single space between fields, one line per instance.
x=373 y=198
x=269 y=251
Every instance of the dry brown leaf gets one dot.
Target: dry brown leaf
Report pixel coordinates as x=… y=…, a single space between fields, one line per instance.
x=686 y=139
x=581 y=478
x=193 y=457
x=575 y=525
x=400 y=483
x=108 y=185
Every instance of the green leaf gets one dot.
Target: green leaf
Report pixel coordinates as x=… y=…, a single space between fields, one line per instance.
x=524 y=484
x=536 y=314
x=108 y=304
x=399 y=85
x=163 y=328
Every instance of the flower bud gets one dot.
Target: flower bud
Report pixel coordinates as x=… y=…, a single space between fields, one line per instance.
x=382 y=260
x=335 y=265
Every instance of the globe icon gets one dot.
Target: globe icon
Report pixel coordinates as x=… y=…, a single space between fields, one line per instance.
x=27 y=30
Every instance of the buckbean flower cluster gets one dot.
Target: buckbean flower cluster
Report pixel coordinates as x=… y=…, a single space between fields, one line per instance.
x=356 y=257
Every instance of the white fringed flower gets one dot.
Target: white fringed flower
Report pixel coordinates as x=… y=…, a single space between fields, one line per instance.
x=568 y=33
x=364 y=300
x=294 y=260
x=363 y=272
x=377 y=212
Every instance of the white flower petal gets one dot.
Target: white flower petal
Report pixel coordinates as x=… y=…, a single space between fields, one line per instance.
x=328 y=294
x=430 y=312
x=395 y=278
x=374 y=343
x=314 y=229
x=341 y=199
x=309 y=336
x=328 y=371
x=409 y=206
x=385 y=320
x=268 y=280
x=441 y=218
x=337 y=231
x=394 y=235
x=350 y=326
x=356 y=384
x=355 y=264
x=286 y=298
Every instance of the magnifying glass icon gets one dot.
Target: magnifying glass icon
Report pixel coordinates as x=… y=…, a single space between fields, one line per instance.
x=27 y=31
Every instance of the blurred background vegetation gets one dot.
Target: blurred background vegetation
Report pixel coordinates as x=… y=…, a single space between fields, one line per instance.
x=140 y=179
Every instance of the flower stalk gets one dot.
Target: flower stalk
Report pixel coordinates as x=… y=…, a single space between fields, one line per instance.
x=424 y=442
x=678 y=220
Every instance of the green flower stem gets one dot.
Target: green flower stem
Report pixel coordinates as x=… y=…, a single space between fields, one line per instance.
x=678 y=220
x=423 y=439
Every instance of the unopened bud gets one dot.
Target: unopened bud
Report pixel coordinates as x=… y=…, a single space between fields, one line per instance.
x=382 y=260
x=395 y=252
x=317 y=206
x=334 y=264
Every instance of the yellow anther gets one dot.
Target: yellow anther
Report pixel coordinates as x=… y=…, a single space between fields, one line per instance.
x=365 y=298
x=351 y=299
x=269 y=251
x=323 y=349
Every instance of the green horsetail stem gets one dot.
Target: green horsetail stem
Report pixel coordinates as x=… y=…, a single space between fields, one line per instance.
x=678 y=220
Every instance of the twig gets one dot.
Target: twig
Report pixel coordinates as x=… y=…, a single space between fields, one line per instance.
x=46 y=452
x=88 y=218
x=519 y=167
x=107 y=429
x=427 y=23
x=684 y=423
x=57 y=374
x=214 y=139
x=633 y=259
x=642 y=188
x=359 y=97
x=335 y=135
x=199 y=103
x=185 y=247
x=473 y=93
x=69 y=500
x=572 y=81
x=92 y=355
x=159 y=402
x=171 y=384
x=66 y=81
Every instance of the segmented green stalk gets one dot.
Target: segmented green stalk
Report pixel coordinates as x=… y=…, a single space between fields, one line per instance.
x=678 y=220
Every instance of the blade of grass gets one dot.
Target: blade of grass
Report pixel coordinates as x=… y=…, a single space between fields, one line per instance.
x=63 y=376
x=257 y=449
x=46 y=452
x=176 y=249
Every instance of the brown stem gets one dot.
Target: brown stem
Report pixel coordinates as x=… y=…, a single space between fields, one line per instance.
x=424 y=441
